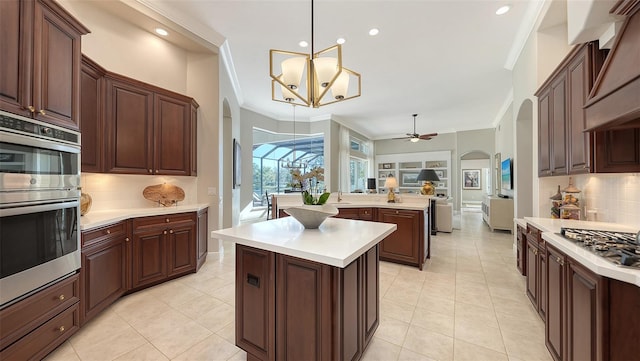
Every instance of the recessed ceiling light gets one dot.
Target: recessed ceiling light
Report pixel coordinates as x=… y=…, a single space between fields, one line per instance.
x=374 y=32
x=340 y=41
x=161 y=31
x=303 y=44
x=503 y=10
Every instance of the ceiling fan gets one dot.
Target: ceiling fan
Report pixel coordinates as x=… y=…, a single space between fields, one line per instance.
x=414 y=137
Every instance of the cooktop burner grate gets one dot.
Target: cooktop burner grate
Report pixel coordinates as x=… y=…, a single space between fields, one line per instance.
x=620 y=248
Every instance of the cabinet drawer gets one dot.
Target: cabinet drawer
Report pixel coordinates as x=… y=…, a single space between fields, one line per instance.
x=96 y=235
x=45 y=338
x=141 y=223
x=21 y=318
x=366 y=214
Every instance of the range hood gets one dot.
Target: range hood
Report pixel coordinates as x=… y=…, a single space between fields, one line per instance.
x=614 y=102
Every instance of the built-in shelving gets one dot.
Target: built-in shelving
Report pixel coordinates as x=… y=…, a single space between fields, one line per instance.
x=406 y=167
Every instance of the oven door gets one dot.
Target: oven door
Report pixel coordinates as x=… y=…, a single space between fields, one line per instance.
x=39 y=244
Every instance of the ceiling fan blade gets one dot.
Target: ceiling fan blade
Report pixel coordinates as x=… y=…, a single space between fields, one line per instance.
x=428 y=136
x=402 y=138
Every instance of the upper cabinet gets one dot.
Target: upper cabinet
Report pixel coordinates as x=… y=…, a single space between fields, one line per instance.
x=563 y=145
x=131 y=127
x=40 y=68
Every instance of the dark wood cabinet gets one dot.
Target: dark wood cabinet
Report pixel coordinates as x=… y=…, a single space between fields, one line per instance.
x=324 y=312
x=409 y=243
x=617 y=151
x=92 y=116
x=36 y=325
x=521 y=249
x=163 y=247
x=555 y=317
x=41 y=44
x=202 y=246
x=172 y=135
x=536 y=269
x=563 y=146
x=106 y=268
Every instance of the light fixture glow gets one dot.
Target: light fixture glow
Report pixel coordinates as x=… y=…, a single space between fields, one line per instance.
x=503 y=10
x=374 y=32
x=306 y=79
x=303 y=44
x=415 y=140
x=161 y=31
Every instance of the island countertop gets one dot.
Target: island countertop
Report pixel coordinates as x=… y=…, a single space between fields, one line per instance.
x=407 y=201
x=337 y=242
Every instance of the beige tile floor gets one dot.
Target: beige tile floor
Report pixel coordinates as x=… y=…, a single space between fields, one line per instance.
x=468 y=304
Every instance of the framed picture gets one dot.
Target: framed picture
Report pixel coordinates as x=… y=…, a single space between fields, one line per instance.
x=383 y=175
x=237 y=167
x=440 y=173
x=410 y=180
x=386 y=165
x=441 y=185
x=471 y=179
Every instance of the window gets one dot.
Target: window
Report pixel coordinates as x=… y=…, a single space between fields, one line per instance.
x=357 y=174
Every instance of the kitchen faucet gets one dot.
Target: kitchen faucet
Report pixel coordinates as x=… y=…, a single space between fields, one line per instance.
x=339 y=196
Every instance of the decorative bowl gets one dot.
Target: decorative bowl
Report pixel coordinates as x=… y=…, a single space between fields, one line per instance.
x=311 y=216
x=85 y=203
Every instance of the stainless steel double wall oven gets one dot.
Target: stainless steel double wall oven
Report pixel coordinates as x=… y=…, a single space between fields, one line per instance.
x=39 y=205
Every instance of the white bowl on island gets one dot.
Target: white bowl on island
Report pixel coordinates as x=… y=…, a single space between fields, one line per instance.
x=311 y=216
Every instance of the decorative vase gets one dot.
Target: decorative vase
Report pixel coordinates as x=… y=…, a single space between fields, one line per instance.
x=311 y=216
x=85 y=203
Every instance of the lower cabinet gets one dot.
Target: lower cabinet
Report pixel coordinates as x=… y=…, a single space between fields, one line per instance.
x=106 y=268
x=408 y=244
x=536 y=259
x=202 y=248
x=521 y=248
x=324 y=312
x=35 y=326
x=163 y=246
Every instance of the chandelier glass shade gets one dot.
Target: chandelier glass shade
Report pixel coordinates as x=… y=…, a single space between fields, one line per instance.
x=305 y=79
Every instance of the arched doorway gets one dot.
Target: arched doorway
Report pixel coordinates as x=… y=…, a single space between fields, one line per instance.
x=523 y=166
x=474 y=164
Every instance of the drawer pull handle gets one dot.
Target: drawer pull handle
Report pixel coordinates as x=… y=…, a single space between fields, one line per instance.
x=61 y=329
x=61 y=297
x=171 y=231
x=397 y=212
x=41 y=111
x=165 y=232
x=31 y=109
x=253 y=280
x=149 y=170
x=108 y=231
x=167 y=220
x=126 y=239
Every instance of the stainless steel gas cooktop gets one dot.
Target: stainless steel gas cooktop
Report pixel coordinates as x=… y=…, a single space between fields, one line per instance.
x=620 y=248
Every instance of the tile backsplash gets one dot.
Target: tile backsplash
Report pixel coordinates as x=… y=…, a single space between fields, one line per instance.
x=605 y=197
x=119 y=191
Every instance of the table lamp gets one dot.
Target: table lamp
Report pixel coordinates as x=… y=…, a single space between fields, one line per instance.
x=428 y=175
x=390 y=184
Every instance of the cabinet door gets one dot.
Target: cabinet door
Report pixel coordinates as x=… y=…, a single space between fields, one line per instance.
x=555 y=310
x=579 y=142
x=203 y=237
x=104 y=275
x=182 y=249
x=16 y=32
x=617 y=151
x=521 y=247
x=585 y=322
x=56 y=67
x=149 y=255
x=542 y=281
x=172 y=136
x=129 y=122
x=91 y=117
x=371 y=293
x=403 y=244
x=544 y=134
x=532 y=270
x=558 y=123
x=348 y=213
x=194 y=138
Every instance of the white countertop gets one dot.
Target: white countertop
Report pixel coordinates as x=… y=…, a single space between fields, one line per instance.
x=550 y=232
x=410 y=202
x=102 y=218
x=337 y=242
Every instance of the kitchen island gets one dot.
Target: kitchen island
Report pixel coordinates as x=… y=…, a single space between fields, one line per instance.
x=410 y=244
x=323 y=285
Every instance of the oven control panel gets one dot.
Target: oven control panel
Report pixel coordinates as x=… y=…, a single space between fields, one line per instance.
x=14 y=123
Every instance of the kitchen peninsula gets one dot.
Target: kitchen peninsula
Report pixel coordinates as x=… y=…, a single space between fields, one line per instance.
x=322 y=283
x=410 y=244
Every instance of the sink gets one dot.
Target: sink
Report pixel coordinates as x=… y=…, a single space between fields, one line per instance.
x=338 y=203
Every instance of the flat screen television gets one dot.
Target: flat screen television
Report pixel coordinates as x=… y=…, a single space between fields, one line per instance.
x=507 y=174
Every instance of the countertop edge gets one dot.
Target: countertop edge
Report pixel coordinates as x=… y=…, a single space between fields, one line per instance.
x=102 y=218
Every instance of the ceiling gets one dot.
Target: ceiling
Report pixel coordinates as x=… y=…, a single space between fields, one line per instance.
x=449 y=61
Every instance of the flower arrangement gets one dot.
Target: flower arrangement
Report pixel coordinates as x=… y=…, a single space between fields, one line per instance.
x=309 y=183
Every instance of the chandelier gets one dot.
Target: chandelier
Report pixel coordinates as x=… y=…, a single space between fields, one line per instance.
x=311 y=80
